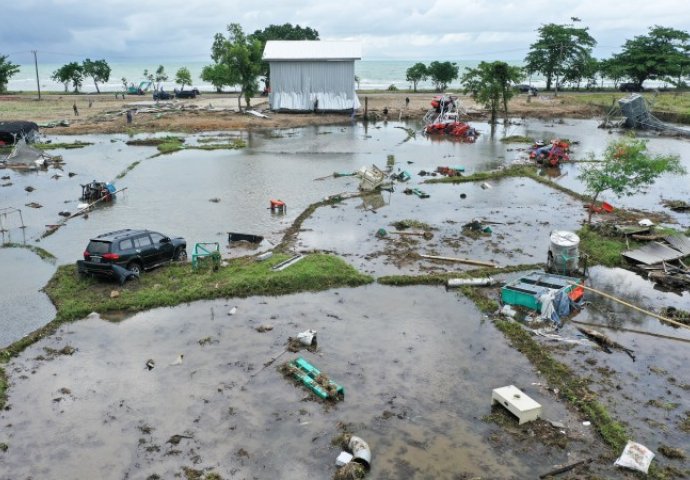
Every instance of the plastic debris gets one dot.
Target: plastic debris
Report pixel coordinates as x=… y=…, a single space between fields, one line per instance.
x=636 y=457
x=343 y=459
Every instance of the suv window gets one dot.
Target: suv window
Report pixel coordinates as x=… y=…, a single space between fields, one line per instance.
x=156 y=237
x=142 y=242
x=97 y=247
x=126 y=244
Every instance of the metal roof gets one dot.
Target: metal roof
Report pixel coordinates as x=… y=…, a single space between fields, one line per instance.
x=680 y=243
x=301 y=50
x=653 y=252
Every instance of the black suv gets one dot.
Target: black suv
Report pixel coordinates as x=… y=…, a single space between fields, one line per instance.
x=162 y=95
x=630 y=87
x=135 y=250
x=187 y=93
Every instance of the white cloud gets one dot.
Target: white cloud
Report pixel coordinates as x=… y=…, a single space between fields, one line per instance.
x=405 y=29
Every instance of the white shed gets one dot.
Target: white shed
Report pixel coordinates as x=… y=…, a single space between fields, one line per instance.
x=308 y=75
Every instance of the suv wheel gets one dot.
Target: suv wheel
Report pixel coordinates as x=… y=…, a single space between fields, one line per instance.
x=134 y=267
x=180 y=254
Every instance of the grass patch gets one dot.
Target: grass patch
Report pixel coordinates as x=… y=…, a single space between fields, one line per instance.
x=171 y=145
x=75 y=297
x=517 y=139
x=54 y=146
x=41 y=252
x=233 y=145
x=155 y=141
x=131 y=167
x=416 y=224
x=603 y=250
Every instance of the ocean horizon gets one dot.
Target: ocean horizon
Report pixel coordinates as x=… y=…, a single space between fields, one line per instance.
x=372 y=75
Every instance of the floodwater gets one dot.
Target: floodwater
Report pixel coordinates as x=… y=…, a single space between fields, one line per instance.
x=418 y=366
x=418 y=363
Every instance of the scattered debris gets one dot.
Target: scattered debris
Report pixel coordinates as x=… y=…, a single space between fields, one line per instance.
x=474 y=282
x=636 y=457
x=516 y=402
x=416 y=191
x=565 y=468
x=486 y=186
x=676 y=205
x=371 y=178
x=29 y=188
x=460 y=260
x=264 y=328
x=671 y=452
x=150 y=363
x=605 y=342
x=451 y=171
x=178 y=360
x=554 y=153
x=244 y=237
x=287 y=263
x=98 y=191
x=214 y=200
x=313 y=379
x=34 y=205
x=233 y=310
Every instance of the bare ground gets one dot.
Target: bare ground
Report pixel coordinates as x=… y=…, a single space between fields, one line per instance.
x=106 y=114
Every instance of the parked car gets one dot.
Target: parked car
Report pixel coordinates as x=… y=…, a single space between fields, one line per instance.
x=524 y=88
x=630 y=87
x=192 y=93
x=135 y=250
x=162 y=95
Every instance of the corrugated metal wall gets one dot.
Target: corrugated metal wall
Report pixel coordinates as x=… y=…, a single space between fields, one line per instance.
x=299 y=85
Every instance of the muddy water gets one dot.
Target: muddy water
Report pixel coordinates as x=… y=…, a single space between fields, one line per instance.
x=521 y=212
x=649 y=395
x=417 y=364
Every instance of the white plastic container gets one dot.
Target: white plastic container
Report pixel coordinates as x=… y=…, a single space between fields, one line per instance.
x=564 y=252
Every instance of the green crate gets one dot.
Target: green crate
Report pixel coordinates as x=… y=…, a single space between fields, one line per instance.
x=526 y=290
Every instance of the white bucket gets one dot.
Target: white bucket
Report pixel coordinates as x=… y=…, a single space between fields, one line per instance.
x=565 y=251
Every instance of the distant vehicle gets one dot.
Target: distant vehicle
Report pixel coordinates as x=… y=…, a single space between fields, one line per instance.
x=139 y=90
x=524 y=88
x=187 y=93
x=630 y=87
x=162 y=95
x=135 y=250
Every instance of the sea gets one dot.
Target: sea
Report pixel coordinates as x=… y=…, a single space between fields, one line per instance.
x=370 y=75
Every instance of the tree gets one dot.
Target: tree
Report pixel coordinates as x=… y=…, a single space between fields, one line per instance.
x=99 y=70
x=242 y=56
x=7 y=71
x=183 y=77
x=558 y=50
x=442 y=73
x=663 y=52
x=417 y=73
x=216 y=74
x=490 y=84
x=612 y=69
x=69 y=73
x=160 y=77
x=626 y=169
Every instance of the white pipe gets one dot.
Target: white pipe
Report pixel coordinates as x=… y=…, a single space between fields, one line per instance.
x=361 y=453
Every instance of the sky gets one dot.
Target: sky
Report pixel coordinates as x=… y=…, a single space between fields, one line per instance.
x=446 y=30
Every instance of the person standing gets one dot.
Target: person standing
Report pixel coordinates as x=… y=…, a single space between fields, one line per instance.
x=76 y=110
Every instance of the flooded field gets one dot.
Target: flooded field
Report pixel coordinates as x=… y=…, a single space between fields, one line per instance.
x=418 y=363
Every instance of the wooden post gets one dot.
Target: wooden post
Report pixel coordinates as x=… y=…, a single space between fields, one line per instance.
x=366 y=109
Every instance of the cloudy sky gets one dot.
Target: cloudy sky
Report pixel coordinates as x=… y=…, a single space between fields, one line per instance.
x=182 y=30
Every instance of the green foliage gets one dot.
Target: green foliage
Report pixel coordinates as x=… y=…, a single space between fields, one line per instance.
x=612 y=69
x=626 y=169
x=663 y=52
x=7 y=71
x=517 y=139
x=442 y=73
x=183 y=77
x=99 y=70
x=70 y=73
x=490 y=84
x=285 y=32
x=602 y=250
x=416 y=73
x=243 y=57
x=217 y=75
x=392 y=88
x=560 y=51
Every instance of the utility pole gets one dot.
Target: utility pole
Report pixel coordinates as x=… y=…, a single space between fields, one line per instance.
x=38 y=83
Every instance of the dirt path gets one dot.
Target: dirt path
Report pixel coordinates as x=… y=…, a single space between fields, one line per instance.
x=106 y=114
